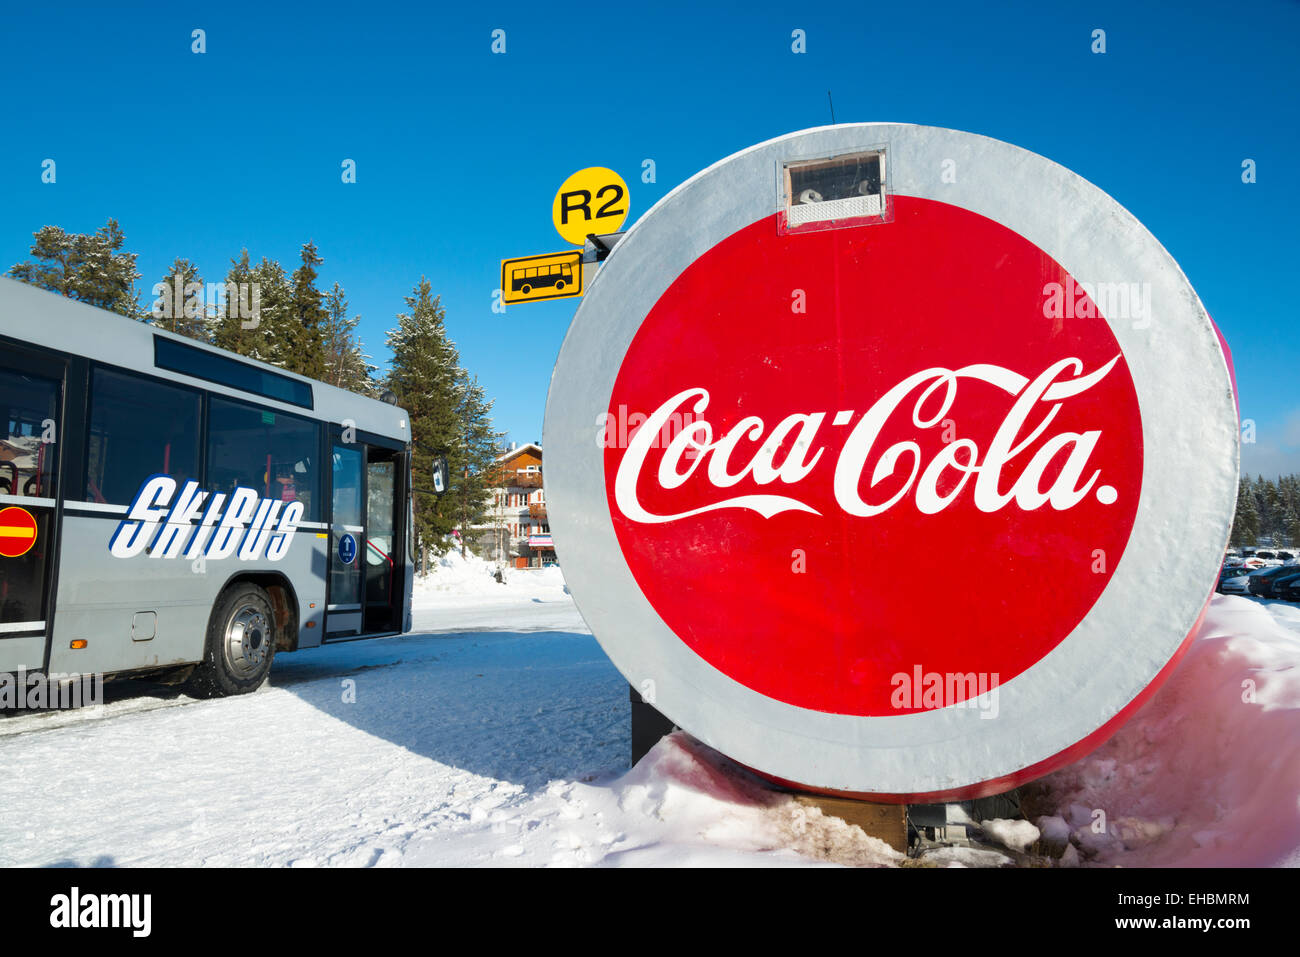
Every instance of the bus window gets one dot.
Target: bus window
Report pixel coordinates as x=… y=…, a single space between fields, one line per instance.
x=273 y=453
x=27 y=435
x=138 y=428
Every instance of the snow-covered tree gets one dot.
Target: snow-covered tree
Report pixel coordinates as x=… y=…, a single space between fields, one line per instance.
x=1245 y=524
x=449 y=415
x=178 y=301
x=346 y=364
x=90 y=268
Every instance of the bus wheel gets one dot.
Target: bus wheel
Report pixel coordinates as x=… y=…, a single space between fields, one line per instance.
x=240 y=644
x=559 y=285
x=526 y=290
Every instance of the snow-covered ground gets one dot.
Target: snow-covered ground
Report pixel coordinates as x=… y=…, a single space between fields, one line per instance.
x=1207 y=774
x=498 y=735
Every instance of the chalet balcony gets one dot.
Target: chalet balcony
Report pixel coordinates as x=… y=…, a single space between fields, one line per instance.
x=524 y=480
x=537 y=512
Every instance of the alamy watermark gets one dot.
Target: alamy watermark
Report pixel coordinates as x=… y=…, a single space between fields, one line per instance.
x=1116 y=301
x=931 y=690
x=37 y=691
x=178 y=299
x=133 y=912
x=614 y=430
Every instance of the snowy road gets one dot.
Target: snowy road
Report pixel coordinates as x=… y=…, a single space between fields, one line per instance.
x=349 y=753
x=499 y=735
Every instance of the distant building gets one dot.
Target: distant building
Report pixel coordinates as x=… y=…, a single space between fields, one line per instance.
x=515 y=530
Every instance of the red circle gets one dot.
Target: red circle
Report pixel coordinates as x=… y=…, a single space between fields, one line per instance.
x=826 y=611
x=17 y=531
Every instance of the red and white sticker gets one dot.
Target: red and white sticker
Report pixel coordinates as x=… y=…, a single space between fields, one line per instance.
x=18 y=532
x=915 y=509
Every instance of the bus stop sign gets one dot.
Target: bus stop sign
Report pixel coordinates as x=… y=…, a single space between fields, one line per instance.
x=545 y=276
x=860 y=448
x=592 y=200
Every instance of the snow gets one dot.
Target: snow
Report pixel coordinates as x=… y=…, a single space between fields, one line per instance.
x=1017 y=835
x=1207 y=774
x=497 y=735
x=958 y=856
x=456 y=578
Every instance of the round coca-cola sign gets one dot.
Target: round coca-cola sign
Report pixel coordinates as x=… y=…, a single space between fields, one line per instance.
x=891 y=460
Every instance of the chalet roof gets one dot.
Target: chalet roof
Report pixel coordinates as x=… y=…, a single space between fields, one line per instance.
x=512 y=453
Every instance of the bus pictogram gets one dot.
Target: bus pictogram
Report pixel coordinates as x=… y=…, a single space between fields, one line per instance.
x=527 y=278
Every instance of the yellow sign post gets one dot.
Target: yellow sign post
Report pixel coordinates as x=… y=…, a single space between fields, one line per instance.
x=592 y=200
x=546 y=276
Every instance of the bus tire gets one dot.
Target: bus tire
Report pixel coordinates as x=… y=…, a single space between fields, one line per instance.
x=240 y=644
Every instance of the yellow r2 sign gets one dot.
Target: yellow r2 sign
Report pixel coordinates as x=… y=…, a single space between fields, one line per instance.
x=592 y=200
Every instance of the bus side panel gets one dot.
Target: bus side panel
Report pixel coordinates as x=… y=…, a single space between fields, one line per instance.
x=310 y=552
x=26 y=653
x=116 y=604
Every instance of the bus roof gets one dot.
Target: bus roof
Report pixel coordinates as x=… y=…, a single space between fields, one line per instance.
x=46 y=319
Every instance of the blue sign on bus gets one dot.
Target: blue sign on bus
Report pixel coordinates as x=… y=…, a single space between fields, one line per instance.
x=347 y=549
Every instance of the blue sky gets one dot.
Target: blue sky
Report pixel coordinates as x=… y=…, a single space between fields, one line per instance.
x=459 y=151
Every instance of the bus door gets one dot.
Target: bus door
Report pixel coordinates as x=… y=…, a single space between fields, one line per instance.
x=367 y=579
x=343 y=617
x=385 y=581
x=31 y=405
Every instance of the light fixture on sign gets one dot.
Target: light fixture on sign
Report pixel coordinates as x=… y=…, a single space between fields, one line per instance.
x=833 y=192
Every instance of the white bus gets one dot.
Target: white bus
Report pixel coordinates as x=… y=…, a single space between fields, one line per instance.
x=168 y=507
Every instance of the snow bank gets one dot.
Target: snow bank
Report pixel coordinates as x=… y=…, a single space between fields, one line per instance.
x=690 y=794
x=472 y=577
x=684 y=803
x=1207 y=774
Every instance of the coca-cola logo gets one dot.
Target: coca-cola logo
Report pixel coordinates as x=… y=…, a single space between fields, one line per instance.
x=795 y=441
x=867 y=449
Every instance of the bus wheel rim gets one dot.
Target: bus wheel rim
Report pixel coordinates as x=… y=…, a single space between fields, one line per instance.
x=248 y=640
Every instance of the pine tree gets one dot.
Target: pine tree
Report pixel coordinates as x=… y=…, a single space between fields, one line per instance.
x=237 y=324
x=1245 y=523
x=88 y=268
x=1272 y=519
x=424 y=376
x=1287 y=489
x=1292 y=528
x=1261 y=505
x=346 y=365
x=474 y=454
x=179 y=303
x=305 y=353
x=271 y=340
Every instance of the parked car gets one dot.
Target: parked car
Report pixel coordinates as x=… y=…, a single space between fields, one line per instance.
x=1288 y=589
x=1229 y=572
x=1263 y=581
x=1239 y=585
